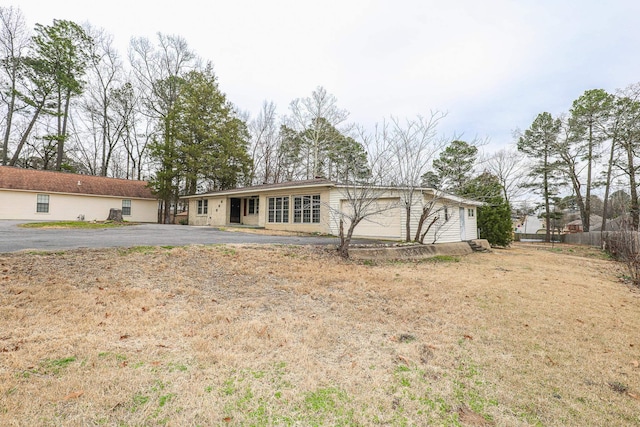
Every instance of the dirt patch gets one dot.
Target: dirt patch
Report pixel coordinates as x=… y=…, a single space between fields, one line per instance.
x=248 y=335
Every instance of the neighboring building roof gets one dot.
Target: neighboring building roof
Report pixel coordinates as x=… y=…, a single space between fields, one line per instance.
x=593 y=220
x=12 y=178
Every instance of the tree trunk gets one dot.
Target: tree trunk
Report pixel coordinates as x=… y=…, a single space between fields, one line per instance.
x=407 y=208
x=586 y=219
x=345 y=241
x=62 y=132
x=433 y=221
x=7 y=132
x=547 y=212
x=115 y=215
x=635 y=208
x=607 y=187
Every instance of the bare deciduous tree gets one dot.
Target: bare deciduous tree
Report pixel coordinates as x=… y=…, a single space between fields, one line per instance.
x=361 y=192
x=509 y=167
x=266 y=146
x=309 y=117
x=14 y=40
x=412 y=145
x=103 y=127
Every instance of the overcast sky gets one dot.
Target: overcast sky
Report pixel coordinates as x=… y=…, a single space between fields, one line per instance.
x=492 y=65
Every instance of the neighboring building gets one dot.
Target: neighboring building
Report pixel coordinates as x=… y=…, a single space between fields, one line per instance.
x=530 y=224
x=29 y=194
x=313 y=206
x=575 y=226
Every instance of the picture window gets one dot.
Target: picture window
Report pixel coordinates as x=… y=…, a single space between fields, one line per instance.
x=278 y=210
x=306 y=209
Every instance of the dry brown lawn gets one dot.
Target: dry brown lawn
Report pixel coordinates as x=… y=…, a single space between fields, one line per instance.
x=248 y=335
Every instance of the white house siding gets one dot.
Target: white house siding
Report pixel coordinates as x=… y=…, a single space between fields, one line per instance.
x=392 y=224
x=388 y=224
x=447 y=231
x=385 y=224
x=69 y=207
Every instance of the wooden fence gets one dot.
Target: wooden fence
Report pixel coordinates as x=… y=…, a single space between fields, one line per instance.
x=594 y=238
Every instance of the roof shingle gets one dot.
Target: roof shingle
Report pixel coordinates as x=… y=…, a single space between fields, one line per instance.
x=12 y=178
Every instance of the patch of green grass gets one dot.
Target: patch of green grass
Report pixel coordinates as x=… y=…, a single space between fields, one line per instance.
x=227 y=250
x=177 y=367
x=259 y=398
x=529 y=415
x=138 y=401
x=137 y=250
x=54 y=366
x=162 y=400
x=73 y=224
x=469 y=389
x=442 y=259
x=45 y=252
x=228 y=387
x=324 y=399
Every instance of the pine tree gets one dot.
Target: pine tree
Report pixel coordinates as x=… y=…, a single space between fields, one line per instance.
x=539 y=142
x=454 y=165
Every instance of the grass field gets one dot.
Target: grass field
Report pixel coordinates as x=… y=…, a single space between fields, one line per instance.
x=248 y=335
x=74 y=224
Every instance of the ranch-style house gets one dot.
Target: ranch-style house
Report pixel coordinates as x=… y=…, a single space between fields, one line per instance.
x=314 y=206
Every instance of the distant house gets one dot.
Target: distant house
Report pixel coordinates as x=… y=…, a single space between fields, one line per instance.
x=595 y=222
x=28 y=194
x=314 y=206
x=530 y=224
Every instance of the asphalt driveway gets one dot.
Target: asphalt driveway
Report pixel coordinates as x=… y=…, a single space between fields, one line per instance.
x=14 y=238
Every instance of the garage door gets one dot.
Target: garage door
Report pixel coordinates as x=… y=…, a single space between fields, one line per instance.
x=386 y=223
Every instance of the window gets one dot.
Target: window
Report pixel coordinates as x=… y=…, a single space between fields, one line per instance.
x=253 y=205
x=446 y=214
x=126 y=207
x=42 y=203
x=471 y=213
x=203 y=207
x=278 y=209
x=306 y=209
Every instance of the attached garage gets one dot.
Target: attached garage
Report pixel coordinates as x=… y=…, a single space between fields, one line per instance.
x=387 y=223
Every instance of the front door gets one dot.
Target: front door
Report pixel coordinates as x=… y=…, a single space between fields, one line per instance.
x=234 y=214
x=463 y=231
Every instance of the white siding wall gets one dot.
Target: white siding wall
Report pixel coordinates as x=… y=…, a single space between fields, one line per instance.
x=441 y=232
x=67 y=207
x=338 y=201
